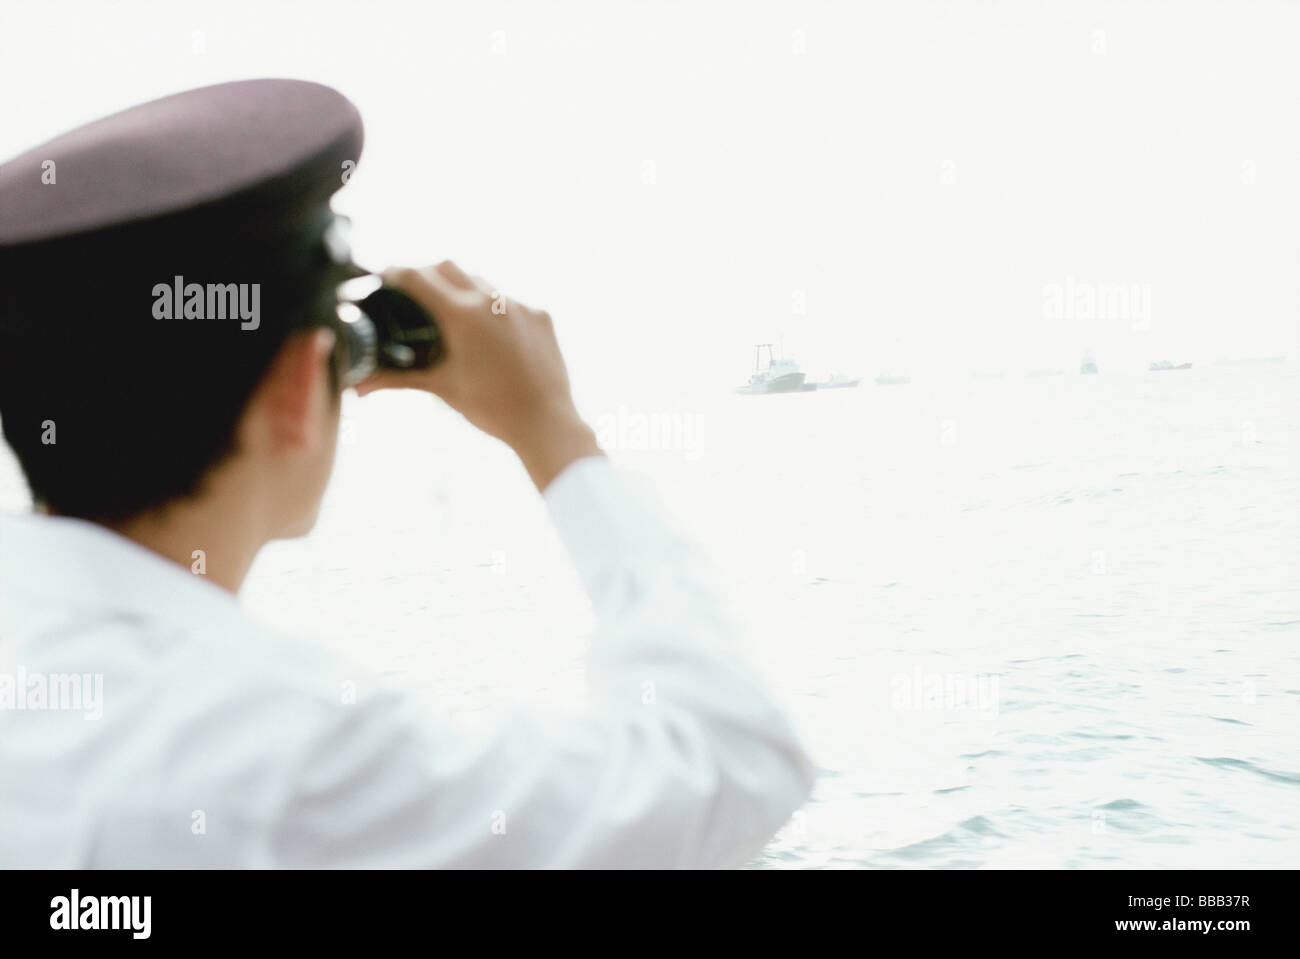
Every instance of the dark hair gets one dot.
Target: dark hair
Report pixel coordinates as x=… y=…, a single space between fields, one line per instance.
x=111 y=411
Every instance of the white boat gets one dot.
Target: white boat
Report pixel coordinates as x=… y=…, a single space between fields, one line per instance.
x=778 y=376
x=1088 y=365
x=836 y=381
x=839 y=381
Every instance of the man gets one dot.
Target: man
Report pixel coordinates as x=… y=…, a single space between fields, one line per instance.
x=144 y=720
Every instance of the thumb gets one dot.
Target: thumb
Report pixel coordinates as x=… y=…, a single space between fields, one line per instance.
x=383 y=380
x=428 y=381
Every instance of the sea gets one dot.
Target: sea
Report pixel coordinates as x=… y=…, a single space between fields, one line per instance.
x=1020 y=621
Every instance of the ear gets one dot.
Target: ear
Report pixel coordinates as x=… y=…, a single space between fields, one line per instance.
x=293 y=397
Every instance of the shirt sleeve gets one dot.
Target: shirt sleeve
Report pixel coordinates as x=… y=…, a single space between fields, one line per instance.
x=682 y=759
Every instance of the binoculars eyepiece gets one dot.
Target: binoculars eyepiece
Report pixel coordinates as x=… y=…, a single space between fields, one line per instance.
x=382 y=328
x=379 y=327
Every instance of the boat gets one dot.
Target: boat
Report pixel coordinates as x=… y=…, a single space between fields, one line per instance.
x=1088 y=365
x=778 y=376
x=1166 y=365
x=885 y=380
x=837 y=381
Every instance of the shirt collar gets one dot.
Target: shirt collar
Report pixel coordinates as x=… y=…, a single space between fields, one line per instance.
x=75 y=563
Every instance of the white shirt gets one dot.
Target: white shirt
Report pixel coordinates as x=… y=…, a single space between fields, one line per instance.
x=222 y=744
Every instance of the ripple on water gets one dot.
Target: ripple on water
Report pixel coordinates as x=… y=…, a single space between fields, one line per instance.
x=958 y=839
x=1224 y=762
x=1129 y=815
x=1122 y=804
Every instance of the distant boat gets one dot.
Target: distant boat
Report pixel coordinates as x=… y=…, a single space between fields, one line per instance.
x=1088 y=365
x=1166 y=365
x=883 y=380
x=837 y=381
x=778 y=376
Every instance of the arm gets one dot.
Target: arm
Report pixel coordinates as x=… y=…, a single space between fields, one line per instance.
x=682 y=759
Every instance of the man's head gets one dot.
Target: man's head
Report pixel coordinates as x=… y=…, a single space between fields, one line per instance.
x=121 y=429
x=162 y=317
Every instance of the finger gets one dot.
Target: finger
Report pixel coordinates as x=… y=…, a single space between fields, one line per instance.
x=454 y=275
x=483 y=286
x=429 y=288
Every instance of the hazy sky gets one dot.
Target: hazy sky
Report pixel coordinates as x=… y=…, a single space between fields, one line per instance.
x=676 y=181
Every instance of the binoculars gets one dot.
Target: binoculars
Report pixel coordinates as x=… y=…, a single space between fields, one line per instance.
x=378 y=327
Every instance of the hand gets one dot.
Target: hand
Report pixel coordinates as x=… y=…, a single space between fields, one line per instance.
x=502 y=369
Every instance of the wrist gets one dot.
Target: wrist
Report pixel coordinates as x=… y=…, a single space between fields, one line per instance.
x=553 y=442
